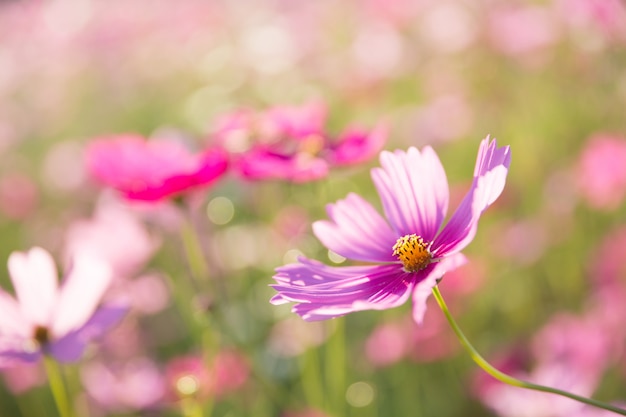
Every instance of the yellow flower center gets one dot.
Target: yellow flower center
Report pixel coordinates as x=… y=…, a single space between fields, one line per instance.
x=413 y=252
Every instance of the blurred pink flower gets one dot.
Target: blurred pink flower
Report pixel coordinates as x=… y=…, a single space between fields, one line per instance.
x=19 y=196
x=520 y=30
x=47 y=319
x=404 y=339
x=113 y=234
x=192 y=375
x=152 y=170
x=21 y=377
x=569 y=353
x=134 y=385
x=607 y=16
x=290 y=143
x=608 y=264
x=601 y=171
x=411 y=249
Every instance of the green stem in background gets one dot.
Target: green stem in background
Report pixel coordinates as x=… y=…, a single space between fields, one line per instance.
x=193 y=249
x=311 y=380
x=336 y=367
x=507 y=379
x=57 y=386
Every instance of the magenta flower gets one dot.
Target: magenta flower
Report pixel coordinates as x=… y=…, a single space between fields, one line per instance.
x=410 y=250
x=44 y=318
x=290 y=143
x=152 y=170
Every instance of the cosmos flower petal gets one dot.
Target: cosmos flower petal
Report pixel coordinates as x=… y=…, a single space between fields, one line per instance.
x=492 y=166
x=324 y=292
x=12 y=352
x=12 y=322
x=263 y=165
x=34 y=277
x=414 y=191
x=355 y=146
x=71 y=346
x=424 y=288
x=356 y=231
x=81 y=293
x=151 y=170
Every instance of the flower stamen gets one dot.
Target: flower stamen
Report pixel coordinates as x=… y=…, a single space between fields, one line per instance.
x=413 y=252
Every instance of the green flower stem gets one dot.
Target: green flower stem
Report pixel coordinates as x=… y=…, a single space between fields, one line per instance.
x=193 y=249
x=507 y=379
x=336 y=367
x=311 y=379
x=57 y=386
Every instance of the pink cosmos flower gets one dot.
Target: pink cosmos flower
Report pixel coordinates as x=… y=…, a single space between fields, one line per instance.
x=44 y=318
x=193 y=375
x=290 y=143
x=152 y=170
x=410 y=250
x=569 y=353
x=602 y=171
x=134 y=385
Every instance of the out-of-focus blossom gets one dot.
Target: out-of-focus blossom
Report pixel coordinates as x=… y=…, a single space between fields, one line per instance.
x=135 y=385
x=521 y=242
x=608 y=265
x=18 y=196
x=151 y=170
x=192 y=375
x=393 y=341
x=147 y=294
x=445 y=118
x=601 y=171
x=46 y=318
x=411 y=251
x=521 y=30
x=21 y=377
x=570 y=353
x=608 y=17
x=447 y=26
x=115 y=235
x=290 y=143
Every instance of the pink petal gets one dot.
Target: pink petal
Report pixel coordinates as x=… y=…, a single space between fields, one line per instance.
x=325 y=292
x=414 y=191
x=492 y=167
x=356 y=231
x=355 y=146
x=81 y=293
x=34 y=278
x=263 y=165
x=12 y=322
x=424 y=288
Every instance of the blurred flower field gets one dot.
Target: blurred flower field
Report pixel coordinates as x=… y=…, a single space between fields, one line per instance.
x=172 y=162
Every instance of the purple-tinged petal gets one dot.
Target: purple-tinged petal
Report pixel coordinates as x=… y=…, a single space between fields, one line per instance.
x=414 y=191
x=424 y=288
x=324 y=292
x=12 y=321
x=356 y=231
x=81 y=293
x=34 y=277
x=14 y=350
x=492 y=167
x=70 y=347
